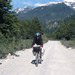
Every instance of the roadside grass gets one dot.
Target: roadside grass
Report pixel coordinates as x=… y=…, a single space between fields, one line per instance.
x=70 y=43
x=13 y=46
x=8 y=46
x=66 y=43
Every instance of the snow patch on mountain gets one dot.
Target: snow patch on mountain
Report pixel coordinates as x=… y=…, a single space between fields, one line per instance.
x=24 y=10
x=71 y=4
x=68 y=3
x=28 y=8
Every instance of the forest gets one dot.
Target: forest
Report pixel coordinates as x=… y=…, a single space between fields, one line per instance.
x=13 y=31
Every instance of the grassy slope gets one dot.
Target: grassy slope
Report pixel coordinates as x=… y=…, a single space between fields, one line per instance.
x=68 y=44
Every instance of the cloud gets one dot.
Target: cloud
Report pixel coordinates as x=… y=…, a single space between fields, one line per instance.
x=39 y=4
x=69 y=0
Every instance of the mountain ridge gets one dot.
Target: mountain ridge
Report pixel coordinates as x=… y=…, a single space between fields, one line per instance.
x=48 y=13
x=25 y=8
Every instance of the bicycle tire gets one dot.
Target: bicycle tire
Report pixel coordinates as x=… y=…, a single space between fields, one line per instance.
x=36 y=63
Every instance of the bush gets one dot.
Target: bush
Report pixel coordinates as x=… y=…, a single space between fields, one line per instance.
x=65 y=31
x=8 y=46
x=70 y=43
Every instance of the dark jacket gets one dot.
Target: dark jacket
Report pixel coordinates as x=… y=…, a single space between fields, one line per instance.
x=37 y=41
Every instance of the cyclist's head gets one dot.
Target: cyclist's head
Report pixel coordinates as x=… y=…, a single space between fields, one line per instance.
x=37 y=34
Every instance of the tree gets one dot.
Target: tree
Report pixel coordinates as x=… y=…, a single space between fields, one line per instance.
x=9 y=24
x=66 y=30
x=30 y=27
x=4 y=8
x=36 y=25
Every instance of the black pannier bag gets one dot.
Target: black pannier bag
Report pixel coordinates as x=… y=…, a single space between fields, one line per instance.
x=36 y=49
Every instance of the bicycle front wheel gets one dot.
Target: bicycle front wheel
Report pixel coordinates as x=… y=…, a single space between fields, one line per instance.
x=37 y=58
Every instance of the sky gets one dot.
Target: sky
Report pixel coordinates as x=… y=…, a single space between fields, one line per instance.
x=34 y=3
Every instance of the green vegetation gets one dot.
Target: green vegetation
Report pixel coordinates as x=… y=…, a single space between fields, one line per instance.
x=51 y=26
x=70 y=43
x=70 y=18
x=7 y=46
x=29 y=28
x=65 y=31
x=15 y=34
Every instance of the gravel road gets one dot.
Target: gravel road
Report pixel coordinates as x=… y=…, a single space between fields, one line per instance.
x=57 y=60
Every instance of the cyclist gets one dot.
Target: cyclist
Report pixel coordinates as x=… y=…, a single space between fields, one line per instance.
x=38 y=40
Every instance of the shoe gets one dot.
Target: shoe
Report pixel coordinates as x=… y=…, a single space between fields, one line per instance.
x=40 y=61
x=33 y=62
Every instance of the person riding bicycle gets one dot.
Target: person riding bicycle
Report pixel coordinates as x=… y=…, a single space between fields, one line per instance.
x=38 y=40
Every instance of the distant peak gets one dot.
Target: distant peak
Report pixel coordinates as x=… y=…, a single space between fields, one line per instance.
x=25 y=9
x=69 y=0
x=68 y=3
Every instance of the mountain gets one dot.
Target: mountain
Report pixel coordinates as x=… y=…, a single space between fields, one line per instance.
x=71 y=4
x=48 y=13
x=28 y=8
x=23 y=10
x=66 y=30
x=70 y=18
x=53 y=25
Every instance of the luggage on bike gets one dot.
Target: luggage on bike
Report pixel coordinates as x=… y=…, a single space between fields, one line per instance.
x=36 y=49
x=43 y=51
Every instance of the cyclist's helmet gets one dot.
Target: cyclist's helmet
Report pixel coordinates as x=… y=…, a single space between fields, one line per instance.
x=37 y=34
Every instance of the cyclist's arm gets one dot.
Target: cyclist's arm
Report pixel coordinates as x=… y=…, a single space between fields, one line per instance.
x=33 y=42
x=41 y=42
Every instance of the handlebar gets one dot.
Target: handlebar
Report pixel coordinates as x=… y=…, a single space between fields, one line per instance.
x=36 y=46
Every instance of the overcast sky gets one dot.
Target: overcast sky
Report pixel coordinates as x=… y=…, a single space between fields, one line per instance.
x=34 y=3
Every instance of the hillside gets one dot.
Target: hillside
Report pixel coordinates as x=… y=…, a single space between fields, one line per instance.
x=66 y=30
x=51 y=26
x=48 y=13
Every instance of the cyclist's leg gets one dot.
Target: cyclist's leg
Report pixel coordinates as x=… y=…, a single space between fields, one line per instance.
x=40 y=53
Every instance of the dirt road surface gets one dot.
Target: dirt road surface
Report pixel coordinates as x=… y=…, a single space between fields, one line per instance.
x=57 y=60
